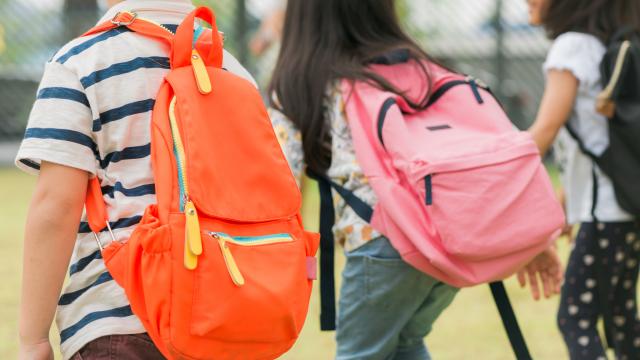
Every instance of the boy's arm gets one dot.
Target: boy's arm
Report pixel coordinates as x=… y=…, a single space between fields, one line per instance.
x=52 y=225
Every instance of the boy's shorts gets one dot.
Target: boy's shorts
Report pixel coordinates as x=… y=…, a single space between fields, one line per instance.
x=124 y=347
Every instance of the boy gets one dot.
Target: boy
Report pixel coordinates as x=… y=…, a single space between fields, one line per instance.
x=91 y=118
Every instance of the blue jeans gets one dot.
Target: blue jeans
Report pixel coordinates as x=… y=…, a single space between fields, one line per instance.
x=386 y=307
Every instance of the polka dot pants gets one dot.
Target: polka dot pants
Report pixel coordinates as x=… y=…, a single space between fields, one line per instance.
x=600 y=283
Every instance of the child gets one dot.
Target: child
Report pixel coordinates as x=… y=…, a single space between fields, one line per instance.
x=91 y=118
x=603 y=268
x=386 y=307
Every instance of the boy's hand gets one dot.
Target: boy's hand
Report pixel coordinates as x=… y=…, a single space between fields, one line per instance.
x=545 y=268
x=38 y=351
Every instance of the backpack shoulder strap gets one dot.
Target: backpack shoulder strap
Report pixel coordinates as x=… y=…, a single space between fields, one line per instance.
x=518 y=344
x=327 y=243
x=96 y=209
x=133 y=23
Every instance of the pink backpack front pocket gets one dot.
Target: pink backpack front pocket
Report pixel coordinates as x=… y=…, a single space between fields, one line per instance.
x=487 y=195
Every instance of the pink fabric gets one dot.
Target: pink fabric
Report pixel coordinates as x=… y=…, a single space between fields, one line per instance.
x=312 y=268
x=493 y=208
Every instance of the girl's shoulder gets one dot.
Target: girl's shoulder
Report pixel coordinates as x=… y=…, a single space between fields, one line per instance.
x=579 y=53
x=580 y=42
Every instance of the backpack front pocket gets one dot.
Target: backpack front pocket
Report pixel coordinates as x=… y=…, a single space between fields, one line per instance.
x=491 y=207
x=250 y=288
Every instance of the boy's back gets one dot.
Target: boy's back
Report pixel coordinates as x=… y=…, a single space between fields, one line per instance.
x=93 y=113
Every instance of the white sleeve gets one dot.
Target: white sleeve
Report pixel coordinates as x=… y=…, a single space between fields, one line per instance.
x=233 y=65
x=60 y=124
x=579 y=53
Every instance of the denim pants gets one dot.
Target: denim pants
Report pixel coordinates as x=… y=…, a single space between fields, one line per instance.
x=386 y=307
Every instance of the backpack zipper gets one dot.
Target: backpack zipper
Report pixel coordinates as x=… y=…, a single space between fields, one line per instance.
x=230 y=262
x=192 y=238
x=428 y=187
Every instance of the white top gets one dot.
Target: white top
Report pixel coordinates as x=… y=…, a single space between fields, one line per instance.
x=92 y=112
x=581 y=54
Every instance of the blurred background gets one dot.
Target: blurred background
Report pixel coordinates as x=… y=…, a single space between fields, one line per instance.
x=489 y=39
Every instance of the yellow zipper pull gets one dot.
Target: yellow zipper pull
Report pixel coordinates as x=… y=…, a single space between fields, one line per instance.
x=192 y=239
x=190 y=260
x=192 y=228
x=200 y=72
x=229 y=261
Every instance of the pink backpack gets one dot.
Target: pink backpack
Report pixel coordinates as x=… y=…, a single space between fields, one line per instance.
x=462 y=195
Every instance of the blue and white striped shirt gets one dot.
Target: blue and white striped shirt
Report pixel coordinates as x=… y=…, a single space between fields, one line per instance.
x=92 y=112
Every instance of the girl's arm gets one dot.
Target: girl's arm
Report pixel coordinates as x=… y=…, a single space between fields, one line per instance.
x=557 y=104
x=52 y=225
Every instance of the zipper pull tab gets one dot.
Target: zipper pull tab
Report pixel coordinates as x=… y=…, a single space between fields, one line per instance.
x=192 y=239
x=200 y=72
x=193 y=228
x=230 y=262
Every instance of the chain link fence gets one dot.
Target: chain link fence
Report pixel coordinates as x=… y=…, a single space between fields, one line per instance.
x=488 y=39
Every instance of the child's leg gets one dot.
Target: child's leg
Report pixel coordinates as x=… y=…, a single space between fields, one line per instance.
x=411 y=343
x=121 y=347
x=625 y=240
x=579 y=302
x=380 y=296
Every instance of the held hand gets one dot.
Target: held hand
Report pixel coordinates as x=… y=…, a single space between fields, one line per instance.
x=545 y=268
x=568 y=228
x=568 y=232
x=37 y=351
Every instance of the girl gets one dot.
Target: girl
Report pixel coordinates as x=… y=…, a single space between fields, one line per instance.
x=386 y=307
x=603 y=268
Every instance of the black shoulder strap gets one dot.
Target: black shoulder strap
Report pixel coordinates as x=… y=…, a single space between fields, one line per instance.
x=595 y=161
x=578 y=139
x=509 y=320
x=365 y=212
x=327 y=243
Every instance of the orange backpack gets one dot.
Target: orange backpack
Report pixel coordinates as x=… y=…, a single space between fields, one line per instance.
x=220 y=267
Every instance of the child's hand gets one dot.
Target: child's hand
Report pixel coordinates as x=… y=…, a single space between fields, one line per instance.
x=548 y=268
x=567 y=230
x=38 y=351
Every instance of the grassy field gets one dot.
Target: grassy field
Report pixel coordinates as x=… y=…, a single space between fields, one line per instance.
x=469 y=329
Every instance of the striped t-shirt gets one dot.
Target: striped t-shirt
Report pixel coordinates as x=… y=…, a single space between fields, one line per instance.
x=93 y=112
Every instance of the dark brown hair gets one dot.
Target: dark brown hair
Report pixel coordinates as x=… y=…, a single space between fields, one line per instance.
x=326 y=40
x=601 y=18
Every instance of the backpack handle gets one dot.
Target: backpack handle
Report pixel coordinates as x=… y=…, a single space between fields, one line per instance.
x=183 y=41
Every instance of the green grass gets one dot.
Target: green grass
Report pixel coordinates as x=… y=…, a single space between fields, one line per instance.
x=470 y=328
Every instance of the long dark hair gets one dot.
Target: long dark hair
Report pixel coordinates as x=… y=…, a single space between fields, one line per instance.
x=601 y=18
x=326 y=40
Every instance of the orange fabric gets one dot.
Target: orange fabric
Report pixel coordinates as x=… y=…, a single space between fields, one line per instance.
x=140 y=26
x=241 y=185
x=184 y=38
x=97 y=216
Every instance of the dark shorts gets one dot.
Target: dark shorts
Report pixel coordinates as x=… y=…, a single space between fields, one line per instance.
x=120 y=347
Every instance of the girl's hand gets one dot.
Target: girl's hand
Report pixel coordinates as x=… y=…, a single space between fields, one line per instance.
x=545 y=268
x=568 y=232
x=38 y=351
x=568 y=228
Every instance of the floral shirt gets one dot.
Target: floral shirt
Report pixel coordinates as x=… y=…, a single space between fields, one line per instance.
x=349 y=229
